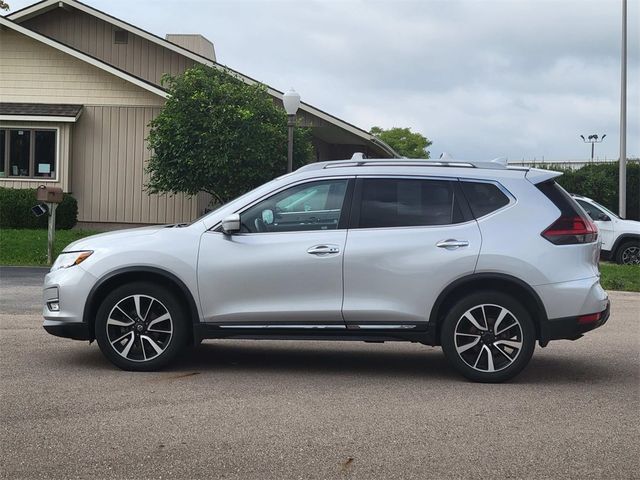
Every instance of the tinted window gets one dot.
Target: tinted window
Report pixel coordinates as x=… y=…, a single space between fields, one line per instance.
x=310 y=206
x=19 y=145
x=28 y=153
x=399 y=202
x=483 y=198
x=45 y=153
x=560 y=198
x=2 y=147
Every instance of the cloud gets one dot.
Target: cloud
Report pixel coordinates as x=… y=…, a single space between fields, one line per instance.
x=520 y=78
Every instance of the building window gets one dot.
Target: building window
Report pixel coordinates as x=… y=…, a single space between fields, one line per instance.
x=120 y=36
x=28 y=153
x=3 y=142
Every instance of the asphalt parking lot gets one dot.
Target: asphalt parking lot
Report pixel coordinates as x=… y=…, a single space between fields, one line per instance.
x=252 y=409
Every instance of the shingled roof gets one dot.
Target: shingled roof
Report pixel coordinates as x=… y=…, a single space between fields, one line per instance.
x=40 y=109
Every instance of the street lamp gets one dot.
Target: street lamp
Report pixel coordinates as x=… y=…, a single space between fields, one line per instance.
x=592 y=139
x=291 y=101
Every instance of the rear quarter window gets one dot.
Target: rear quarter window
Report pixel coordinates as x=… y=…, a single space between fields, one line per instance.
x=483 y=198
x=559 y=197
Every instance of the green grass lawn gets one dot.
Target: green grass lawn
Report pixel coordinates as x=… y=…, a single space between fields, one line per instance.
x=620 y=277
x=29 y=247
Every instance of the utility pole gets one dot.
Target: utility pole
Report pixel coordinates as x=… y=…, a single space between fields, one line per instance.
x=622 y=186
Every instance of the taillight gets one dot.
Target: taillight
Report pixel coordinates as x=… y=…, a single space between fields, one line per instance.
x=571 y=230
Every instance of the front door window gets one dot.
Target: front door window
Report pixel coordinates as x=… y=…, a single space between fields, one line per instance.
x=310 y=206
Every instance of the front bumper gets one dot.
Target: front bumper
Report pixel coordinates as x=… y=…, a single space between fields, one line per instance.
x=571 y=328
x=65 y=292
x=75 y=331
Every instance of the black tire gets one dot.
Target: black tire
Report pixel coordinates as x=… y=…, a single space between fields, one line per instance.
x=150 y=330
x=629 y=253
x=506 y=360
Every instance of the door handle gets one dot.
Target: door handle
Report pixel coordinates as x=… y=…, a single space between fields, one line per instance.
x=323 y=249
x=451 y=244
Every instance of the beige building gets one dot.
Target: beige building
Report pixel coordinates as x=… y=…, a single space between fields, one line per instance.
x=78 y=89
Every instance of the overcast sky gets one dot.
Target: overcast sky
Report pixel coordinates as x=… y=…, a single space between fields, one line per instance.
x=481 y=79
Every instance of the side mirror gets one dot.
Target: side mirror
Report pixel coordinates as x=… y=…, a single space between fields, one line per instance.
x=231 y=224
x=603 y=217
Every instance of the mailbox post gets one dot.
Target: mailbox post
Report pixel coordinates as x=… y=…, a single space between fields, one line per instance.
x=52 y=196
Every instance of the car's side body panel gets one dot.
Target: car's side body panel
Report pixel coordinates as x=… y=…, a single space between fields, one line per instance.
x=270 y=278
x=393 y=274
x=512 y=242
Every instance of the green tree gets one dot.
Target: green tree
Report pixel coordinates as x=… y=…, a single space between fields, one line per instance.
x=219 y=135
x=407 y=143
x=599 y=181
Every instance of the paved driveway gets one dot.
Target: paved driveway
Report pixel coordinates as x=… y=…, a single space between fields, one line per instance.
x=259 y=409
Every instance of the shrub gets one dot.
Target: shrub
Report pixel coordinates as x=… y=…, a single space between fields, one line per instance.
x=15 y=210
x=599 y=181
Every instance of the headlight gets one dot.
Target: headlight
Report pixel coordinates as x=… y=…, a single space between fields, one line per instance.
x=69 y=259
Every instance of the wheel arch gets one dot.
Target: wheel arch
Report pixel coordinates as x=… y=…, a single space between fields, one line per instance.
x=511 y=285
x=131 y=274
x=621 y=240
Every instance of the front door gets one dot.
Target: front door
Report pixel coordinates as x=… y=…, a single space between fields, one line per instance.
x=285 y=266
x=411 y=237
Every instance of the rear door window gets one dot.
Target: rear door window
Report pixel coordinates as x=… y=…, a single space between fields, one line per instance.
x=405 y=202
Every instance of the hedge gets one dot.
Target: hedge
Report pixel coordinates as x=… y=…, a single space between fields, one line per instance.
x=599 y=181
x=15 y=210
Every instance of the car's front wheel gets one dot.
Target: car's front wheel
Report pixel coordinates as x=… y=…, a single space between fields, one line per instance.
x=141 y=326
x=488 y=337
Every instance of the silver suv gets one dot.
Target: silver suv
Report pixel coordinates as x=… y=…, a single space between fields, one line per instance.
x=478 y=258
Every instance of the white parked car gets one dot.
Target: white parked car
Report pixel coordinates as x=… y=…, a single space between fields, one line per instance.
x=620 y=238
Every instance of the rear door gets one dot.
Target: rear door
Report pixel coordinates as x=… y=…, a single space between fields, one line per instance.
x=408 y=239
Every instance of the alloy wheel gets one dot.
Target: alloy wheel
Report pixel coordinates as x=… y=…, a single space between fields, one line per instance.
x=488 y=338
x=139 y=328
x=631 y=256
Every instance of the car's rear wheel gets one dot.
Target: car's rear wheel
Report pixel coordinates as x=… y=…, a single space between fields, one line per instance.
x=629 y=253
x=141 y=326
x=488 y=337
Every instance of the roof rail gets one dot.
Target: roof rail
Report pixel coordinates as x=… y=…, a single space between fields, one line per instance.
x=385 y=162
x=359 y=160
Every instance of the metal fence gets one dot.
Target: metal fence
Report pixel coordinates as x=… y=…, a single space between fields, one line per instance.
x=565 y=164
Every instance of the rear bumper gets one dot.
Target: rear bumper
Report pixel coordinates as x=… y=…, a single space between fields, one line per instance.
x=572 y=328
